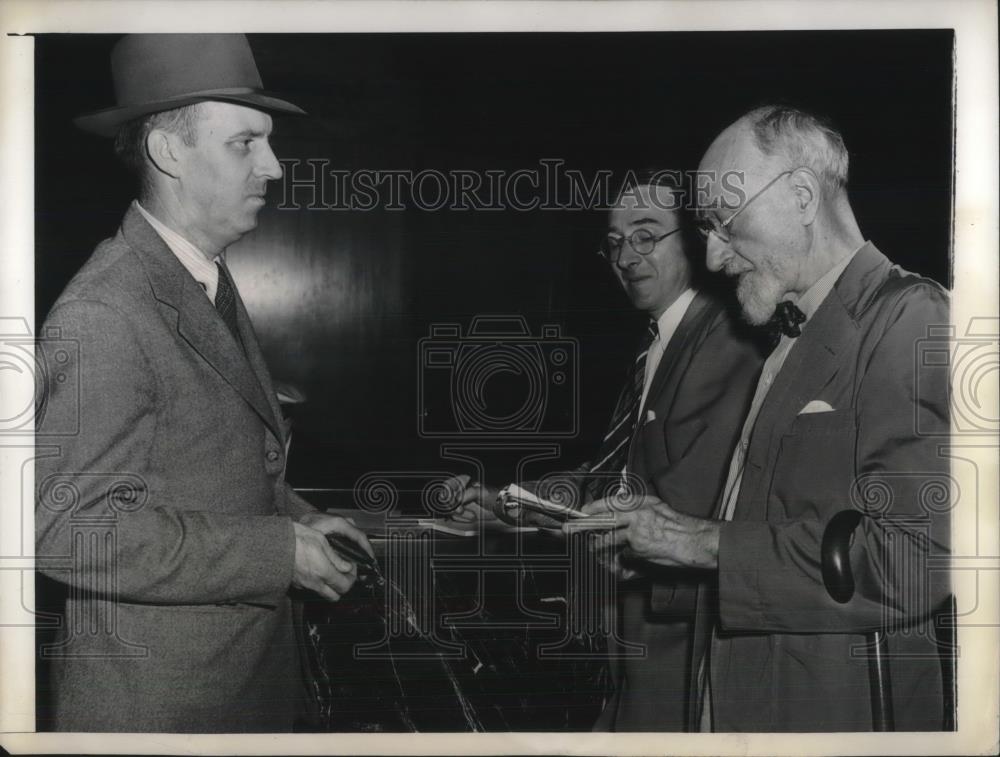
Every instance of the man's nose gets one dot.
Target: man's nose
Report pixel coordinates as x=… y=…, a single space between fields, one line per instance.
x=269 y=168
x=627 y=257
x=717 y=253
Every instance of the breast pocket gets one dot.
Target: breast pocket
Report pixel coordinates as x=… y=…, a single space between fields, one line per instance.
x=814 y=471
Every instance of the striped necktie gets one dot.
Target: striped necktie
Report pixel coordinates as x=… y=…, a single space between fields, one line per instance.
x=225 y=301
x=614 y=448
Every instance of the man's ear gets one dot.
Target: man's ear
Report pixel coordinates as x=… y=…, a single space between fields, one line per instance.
x=807 y=189
x=162 y=150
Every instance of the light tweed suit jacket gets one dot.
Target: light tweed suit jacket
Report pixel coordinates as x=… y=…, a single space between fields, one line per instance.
x=161 y=502
x=785 y=656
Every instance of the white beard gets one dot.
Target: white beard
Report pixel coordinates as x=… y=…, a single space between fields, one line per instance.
x=759 y=293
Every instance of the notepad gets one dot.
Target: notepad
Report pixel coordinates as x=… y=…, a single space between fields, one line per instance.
x=452 y=528
x=513 y=497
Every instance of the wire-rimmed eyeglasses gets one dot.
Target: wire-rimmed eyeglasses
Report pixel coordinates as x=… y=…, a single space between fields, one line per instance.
x=710 y=225
x=643 y=241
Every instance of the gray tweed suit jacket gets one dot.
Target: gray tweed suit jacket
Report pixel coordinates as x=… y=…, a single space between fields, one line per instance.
x=161 y=502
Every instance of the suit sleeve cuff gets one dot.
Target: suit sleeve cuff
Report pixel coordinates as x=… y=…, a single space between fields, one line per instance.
x=741 y=601
x=275 y=556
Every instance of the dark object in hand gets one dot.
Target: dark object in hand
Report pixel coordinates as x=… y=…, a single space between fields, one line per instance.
x=835 y=557
x=351 y=551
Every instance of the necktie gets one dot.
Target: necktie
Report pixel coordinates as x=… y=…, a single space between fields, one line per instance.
x=614 y=448
x=225 y=301
x=786 y=320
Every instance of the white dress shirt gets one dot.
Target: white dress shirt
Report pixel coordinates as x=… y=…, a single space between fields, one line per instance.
x=666 y=324
x=204 y=271
x=808 y=304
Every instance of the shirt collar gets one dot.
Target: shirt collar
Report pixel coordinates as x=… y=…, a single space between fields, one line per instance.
x=813 y=297
x=204 y=271
x=667 y=323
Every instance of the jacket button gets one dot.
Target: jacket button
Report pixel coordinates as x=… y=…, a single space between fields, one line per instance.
x=272 y=455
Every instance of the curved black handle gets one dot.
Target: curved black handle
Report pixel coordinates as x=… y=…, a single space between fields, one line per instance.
x=352 y=551
x=835 y=555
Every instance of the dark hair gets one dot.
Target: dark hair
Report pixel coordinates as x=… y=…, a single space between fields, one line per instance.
x=675 y=180
x=130 y=142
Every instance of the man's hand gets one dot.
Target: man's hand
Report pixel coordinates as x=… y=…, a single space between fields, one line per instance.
x=318 y=567
x=649 y=529
x=473 y=501
x=613 y=559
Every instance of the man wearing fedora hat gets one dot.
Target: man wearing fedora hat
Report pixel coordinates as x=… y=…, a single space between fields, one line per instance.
x=180 y=620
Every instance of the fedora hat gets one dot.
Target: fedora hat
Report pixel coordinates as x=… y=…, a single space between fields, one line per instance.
x=157 y=72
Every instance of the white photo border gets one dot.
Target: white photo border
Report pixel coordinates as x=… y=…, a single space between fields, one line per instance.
x=975 y=286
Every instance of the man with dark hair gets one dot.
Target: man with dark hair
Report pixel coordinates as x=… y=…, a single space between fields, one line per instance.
x=834 y=420
x=684 y=397
x=181 y=619
x=130 y=140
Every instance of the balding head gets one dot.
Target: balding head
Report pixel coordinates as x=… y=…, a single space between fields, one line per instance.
x=776 y=213
x=776 y=138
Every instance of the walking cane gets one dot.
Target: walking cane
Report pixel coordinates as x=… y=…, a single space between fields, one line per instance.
x=839 y=581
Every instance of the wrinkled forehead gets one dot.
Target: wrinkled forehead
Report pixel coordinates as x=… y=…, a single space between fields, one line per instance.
x=733 y=148
x=732 y=161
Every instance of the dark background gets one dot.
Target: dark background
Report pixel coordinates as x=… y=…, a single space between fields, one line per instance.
x=340 y=299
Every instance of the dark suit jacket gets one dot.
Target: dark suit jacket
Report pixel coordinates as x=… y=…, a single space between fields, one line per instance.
x=700 y=394
x=786 y=657
x=177 y=617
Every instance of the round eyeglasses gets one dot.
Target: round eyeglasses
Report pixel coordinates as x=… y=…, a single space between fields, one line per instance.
x=643 y=241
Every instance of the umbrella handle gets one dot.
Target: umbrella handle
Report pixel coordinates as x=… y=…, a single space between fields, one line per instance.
x=836 y=555
x=835 y=559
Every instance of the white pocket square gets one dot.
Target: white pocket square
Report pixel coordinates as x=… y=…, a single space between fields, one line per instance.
x=816 y=406
x=650 y=416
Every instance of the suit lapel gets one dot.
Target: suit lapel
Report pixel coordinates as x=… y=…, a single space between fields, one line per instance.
x=198 y=323
x=682 y=337
x=256 y=359
x=666 y=378
x=811 y=363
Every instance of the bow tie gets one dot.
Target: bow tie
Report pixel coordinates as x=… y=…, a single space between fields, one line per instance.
x=786 y=320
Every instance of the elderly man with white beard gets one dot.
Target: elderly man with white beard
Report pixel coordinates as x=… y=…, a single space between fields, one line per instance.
x=837 y=407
